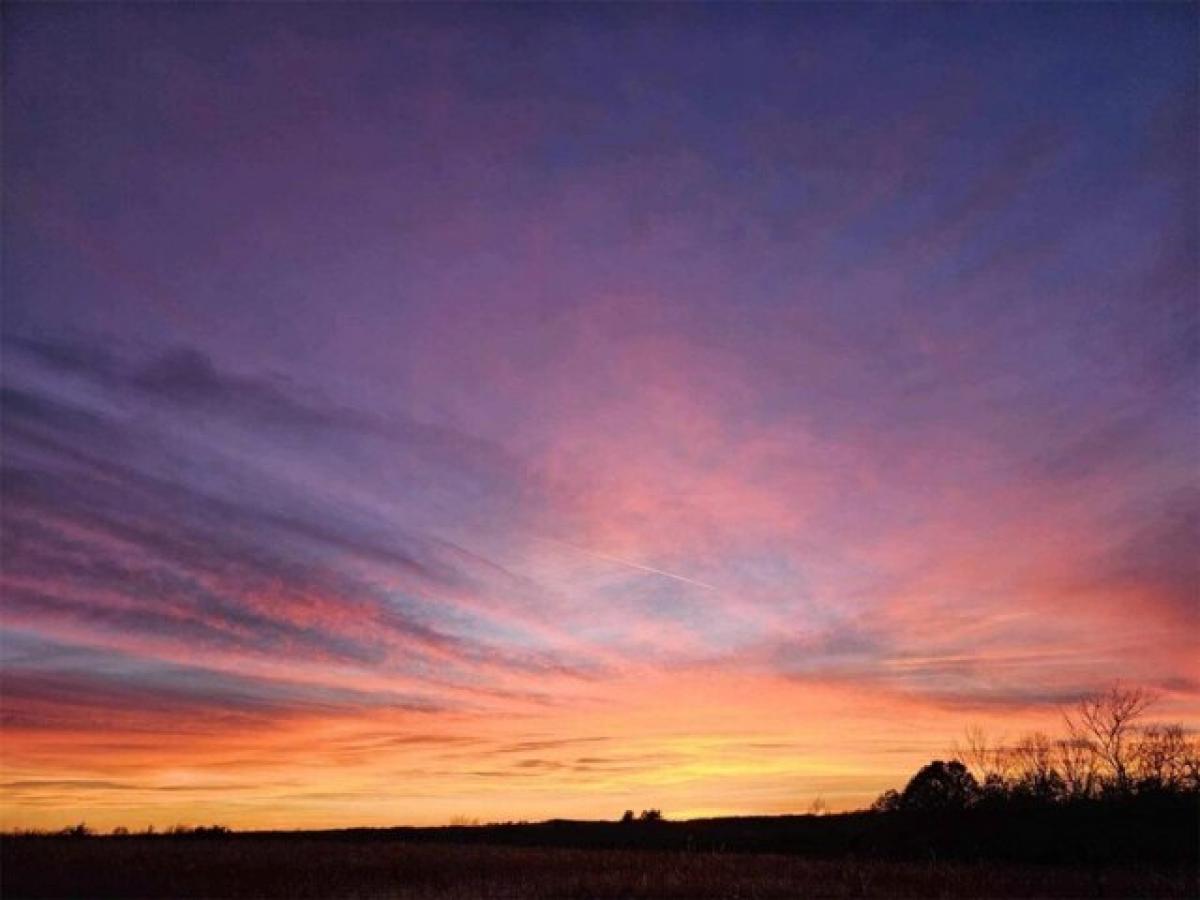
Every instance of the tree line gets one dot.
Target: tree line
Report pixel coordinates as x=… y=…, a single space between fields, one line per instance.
x=1107 y=751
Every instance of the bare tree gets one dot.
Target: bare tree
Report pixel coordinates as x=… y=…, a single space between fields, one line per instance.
x=1107 y=721
x=1076 y=762
x=1160 y=756
x=990 y=761
x=1190 y=765
x=1036 y=773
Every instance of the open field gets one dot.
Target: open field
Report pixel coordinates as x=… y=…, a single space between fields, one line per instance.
x=300 y=866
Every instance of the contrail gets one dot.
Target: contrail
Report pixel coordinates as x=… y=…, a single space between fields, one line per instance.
x=628 y=563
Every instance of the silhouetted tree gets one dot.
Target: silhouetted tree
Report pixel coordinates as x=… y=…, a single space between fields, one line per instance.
x=627 y=817
x=1160 y=759
x=989 y=760
x=993 y=791
x=1033 y=759
x=1076 y=763
x=1107 y=722
x=940 y=786
x=650 y=815
x=888 y=801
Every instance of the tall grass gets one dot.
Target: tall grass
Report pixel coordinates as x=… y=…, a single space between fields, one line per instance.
x=302 y=867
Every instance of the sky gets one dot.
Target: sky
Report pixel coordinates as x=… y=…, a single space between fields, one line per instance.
x=414 y=412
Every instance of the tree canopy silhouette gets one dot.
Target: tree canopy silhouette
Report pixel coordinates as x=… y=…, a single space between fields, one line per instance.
x=940 y=786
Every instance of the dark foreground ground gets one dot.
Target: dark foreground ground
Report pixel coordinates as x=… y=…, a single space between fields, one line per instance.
x=267 y=866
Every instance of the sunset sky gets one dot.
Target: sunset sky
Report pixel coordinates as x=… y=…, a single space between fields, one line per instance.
x=513 y=412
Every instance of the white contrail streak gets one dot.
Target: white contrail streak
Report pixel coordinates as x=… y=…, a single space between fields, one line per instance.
x=628 y=564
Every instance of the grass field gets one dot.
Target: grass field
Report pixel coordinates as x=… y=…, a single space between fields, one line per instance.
x=282 y=866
